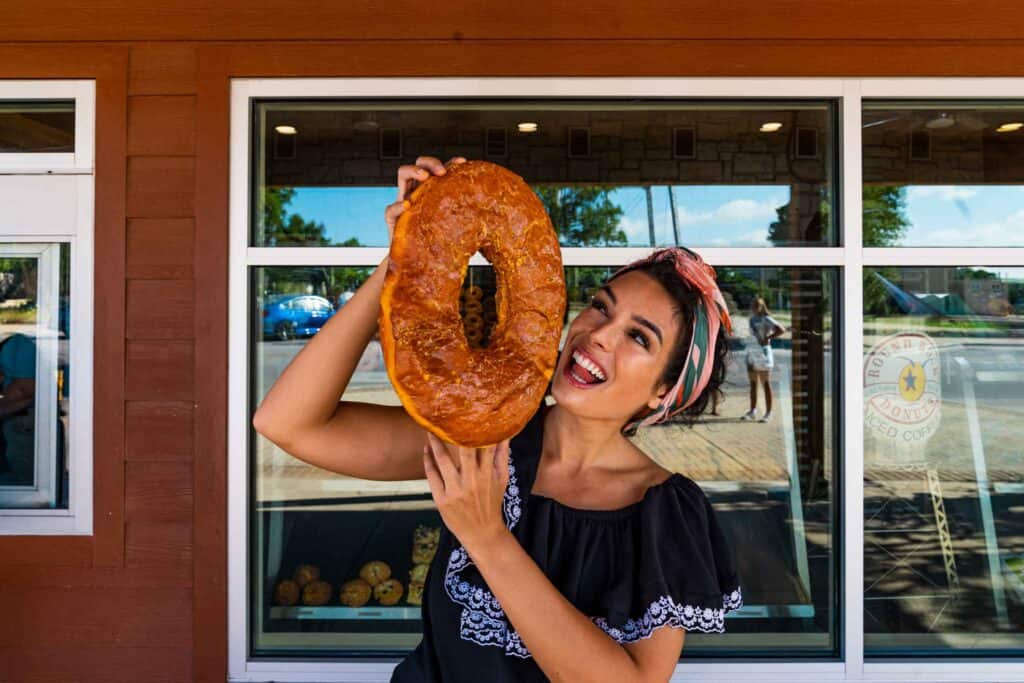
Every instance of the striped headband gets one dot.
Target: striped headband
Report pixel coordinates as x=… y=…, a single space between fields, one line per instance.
x=711 y=312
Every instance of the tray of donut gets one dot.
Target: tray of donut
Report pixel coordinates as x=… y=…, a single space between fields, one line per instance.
x=363 y=566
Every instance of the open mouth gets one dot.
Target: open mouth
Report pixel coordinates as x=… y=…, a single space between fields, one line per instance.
x=583 y=372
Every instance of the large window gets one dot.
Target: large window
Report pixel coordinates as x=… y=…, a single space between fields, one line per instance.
x=795 y=190
x=943 y=364
x=46 y=189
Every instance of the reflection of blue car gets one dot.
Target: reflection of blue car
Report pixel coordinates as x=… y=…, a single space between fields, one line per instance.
x=287 y=316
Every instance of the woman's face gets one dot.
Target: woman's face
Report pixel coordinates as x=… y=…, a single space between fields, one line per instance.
x=628 y=331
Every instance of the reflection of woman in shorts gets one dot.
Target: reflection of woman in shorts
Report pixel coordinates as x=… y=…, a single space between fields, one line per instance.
x=763 y=328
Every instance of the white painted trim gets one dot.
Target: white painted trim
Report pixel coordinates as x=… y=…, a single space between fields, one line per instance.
x=850 y=258
x=77 y=519
x=238 y=384
x=83 y=92
x=571 y=256
x=772 y=88
x=944 y=256
x=936 y=88
x=851 y=461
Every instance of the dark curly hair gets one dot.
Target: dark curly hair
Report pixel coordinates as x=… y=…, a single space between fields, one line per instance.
x=686 y=299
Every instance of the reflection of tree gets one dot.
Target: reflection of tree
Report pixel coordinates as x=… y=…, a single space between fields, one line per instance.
x=20 y=278
x=583 y=216
x=281 y=228
x=885 y=224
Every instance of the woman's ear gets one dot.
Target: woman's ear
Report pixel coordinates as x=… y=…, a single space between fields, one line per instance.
x=655 y=401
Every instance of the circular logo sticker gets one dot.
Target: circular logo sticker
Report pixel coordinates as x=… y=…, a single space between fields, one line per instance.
x=902 y=392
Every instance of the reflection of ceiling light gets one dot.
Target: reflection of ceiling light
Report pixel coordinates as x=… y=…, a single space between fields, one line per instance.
x=286 y=130
x=527 y=127
x=943 y=120
x=1009 y=127
x=369 y=123
x=770 y=127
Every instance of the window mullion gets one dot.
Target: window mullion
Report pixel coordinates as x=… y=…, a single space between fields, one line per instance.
x=851 y=484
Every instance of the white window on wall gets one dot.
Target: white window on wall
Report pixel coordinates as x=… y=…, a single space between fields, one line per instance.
x=46 y=281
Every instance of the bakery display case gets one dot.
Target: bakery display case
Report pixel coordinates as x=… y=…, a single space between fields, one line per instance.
x=350 y=578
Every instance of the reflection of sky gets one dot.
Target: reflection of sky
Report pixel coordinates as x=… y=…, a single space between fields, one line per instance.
x=707 y=215
x=716 y=215
x=968 y=215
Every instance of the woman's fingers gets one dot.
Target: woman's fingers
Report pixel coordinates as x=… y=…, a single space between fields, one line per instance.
x=395 y=210
x=501 y=458
x=434 y=478
x=409 y=177
x=445 y=463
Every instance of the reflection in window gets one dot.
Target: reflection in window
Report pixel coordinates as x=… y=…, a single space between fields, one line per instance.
x=37 y=127
x=771 y=482
x=652 y=173
x=943 y=174
x=944 y=503
x=34 y=406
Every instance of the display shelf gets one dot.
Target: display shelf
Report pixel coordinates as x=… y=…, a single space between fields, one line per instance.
x=338 y=613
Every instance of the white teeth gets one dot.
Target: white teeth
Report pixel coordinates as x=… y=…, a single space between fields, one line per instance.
x=589 y=365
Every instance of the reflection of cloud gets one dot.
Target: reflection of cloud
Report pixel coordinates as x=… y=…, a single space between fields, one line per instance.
x=753 y=238
x=1001 y=233
x=736 y=210
x=636 y=230
x=945 y=192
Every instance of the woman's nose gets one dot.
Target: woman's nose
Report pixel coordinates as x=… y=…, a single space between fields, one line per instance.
x=602 y=335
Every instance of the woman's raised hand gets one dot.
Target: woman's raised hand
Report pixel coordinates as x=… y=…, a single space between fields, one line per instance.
x=409 y=177
x=468 y=486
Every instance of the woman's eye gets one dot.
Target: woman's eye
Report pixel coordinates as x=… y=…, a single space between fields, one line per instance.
x=638 y=335
x=597 y=304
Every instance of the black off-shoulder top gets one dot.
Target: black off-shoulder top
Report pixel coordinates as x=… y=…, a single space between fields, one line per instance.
x=660 y=562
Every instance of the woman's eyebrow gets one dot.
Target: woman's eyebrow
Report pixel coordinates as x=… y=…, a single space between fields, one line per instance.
x=607 y=289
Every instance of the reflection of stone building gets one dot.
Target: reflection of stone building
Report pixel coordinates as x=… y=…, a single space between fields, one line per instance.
x=989 y=297
x=681 y=146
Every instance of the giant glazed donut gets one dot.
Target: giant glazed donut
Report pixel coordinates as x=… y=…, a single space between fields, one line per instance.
x=469 y=396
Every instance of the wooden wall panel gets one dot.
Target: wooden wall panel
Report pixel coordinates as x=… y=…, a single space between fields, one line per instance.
x=157 y=431
x=159 y=309
x=461 y=20
x=80 y=617
x=162 y=69
x=164 y=545
x=159 y=370
x=78 y=663
x=158 y=492
x=162 y=125
x=160 y=248
x=161 y=187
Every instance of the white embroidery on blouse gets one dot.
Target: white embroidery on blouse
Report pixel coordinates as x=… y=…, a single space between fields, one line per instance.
x=483 y=620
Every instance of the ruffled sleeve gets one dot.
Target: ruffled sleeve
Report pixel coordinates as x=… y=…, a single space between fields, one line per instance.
x=684 y=571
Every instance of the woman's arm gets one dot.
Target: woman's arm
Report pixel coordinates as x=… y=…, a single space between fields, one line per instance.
x=302 y=412
x=566 y=644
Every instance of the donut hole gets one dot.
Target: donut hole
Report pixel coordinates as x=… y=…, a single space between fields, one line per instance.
x=477 y=305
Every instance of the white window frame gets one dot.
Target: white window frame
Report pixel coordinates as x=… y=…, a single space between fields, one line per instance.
x=49 y=198
x=850 y=257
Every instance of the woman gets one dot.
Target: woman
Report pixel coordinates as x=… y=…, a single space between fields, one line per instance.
x=565 y=549
x=763 y=328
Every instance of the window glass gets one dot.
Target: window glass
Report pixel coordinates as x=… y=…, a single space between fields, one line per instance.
x=771 y=481
x=34 y=352
x=37 y=127
x=944 y=499
x=943 y=174
x=630 y=173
